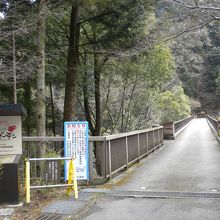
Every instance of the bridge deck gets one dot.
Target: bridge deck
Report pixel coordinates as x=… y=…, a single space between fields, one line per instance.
x=189 y=163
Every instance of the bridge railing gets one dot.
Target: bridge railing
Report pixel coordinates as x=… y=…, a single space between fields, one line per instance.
x=214 y=124
x=120 y=150
x=114 y=152
x=173 y=129
x=54 y=145
x=178 y=125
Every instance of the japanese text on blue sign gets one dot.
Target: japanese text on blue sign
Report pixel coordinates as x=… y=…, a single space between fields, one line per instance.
x=76 y=146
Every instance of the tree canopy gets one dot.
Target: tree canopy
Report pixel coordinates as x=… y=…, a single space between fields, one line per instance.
x=120 y=65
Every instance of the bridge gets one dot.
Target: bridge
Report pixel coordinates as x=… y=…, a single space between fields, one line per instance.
x=153 y=178
x=191 y=163
x=181 y=180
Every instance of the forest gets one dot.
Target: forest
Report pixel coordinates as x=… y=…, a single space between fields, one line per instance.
x=120 y=65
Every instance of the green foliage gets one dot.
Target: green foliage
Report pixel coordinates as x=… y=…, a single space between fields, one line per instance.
x=134 y=72
x=131 y=87
x=52 y=154
x=174 y=105
x=117 y=24
x=158 y=66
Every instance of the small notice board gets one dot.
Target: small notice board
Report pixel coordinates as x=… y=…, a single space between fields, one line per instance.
x=76 y=146
x=52 y=172
x=10 y=135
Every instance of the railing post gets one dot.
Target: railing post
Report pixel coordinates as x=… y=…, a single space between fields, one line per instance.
x=106 y=153
x=168 y=129
x=161 y=136
x=147 y=142
x=91 y=171
x=153 y=141
x=219 y=127
x=110 y=159
x=158 y=138
x=139 y=148
x=126 y=146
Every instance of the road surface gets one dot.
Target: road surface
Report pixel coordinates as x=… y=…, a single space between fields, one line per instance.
x=191 y=163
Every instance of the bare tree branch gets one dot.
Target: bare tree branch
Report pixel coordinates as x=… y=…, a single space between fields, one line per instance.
x=194 y=7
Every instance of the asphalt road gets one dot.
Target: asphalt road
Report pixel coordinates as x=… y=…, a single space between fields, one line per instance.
x=191 y=163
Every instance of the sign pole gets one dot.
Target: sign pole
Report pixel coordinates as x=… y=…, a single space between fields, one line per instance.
x=72 y=179
x=75 y=180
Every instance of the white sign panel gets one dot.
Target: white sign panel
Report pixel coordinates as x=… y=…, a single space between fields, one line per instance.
x=10 y=135
x=76 y=146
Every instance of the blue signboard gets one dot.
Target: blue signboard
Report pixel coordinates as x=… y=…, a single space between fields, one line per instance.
x=76 y=140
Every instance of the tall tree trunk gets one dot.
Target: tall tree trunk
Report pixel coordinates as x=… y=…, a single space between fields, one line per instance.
x=52 y=109
x=27 y=104
x=129 y=106
x=14 y=69
x=97 y=75
x=122 y=107
x=41 y=103
x=86 y=98
x=72 y=63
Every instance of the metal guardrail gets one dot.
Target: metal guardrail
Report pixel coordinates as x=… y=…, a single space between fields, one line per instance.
x=214 y=125
x=57 y=139
x=178 y=125
x=173 y=129
x=213 y=122
x=120 y=150
x=114 y=152
x=28 y=185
